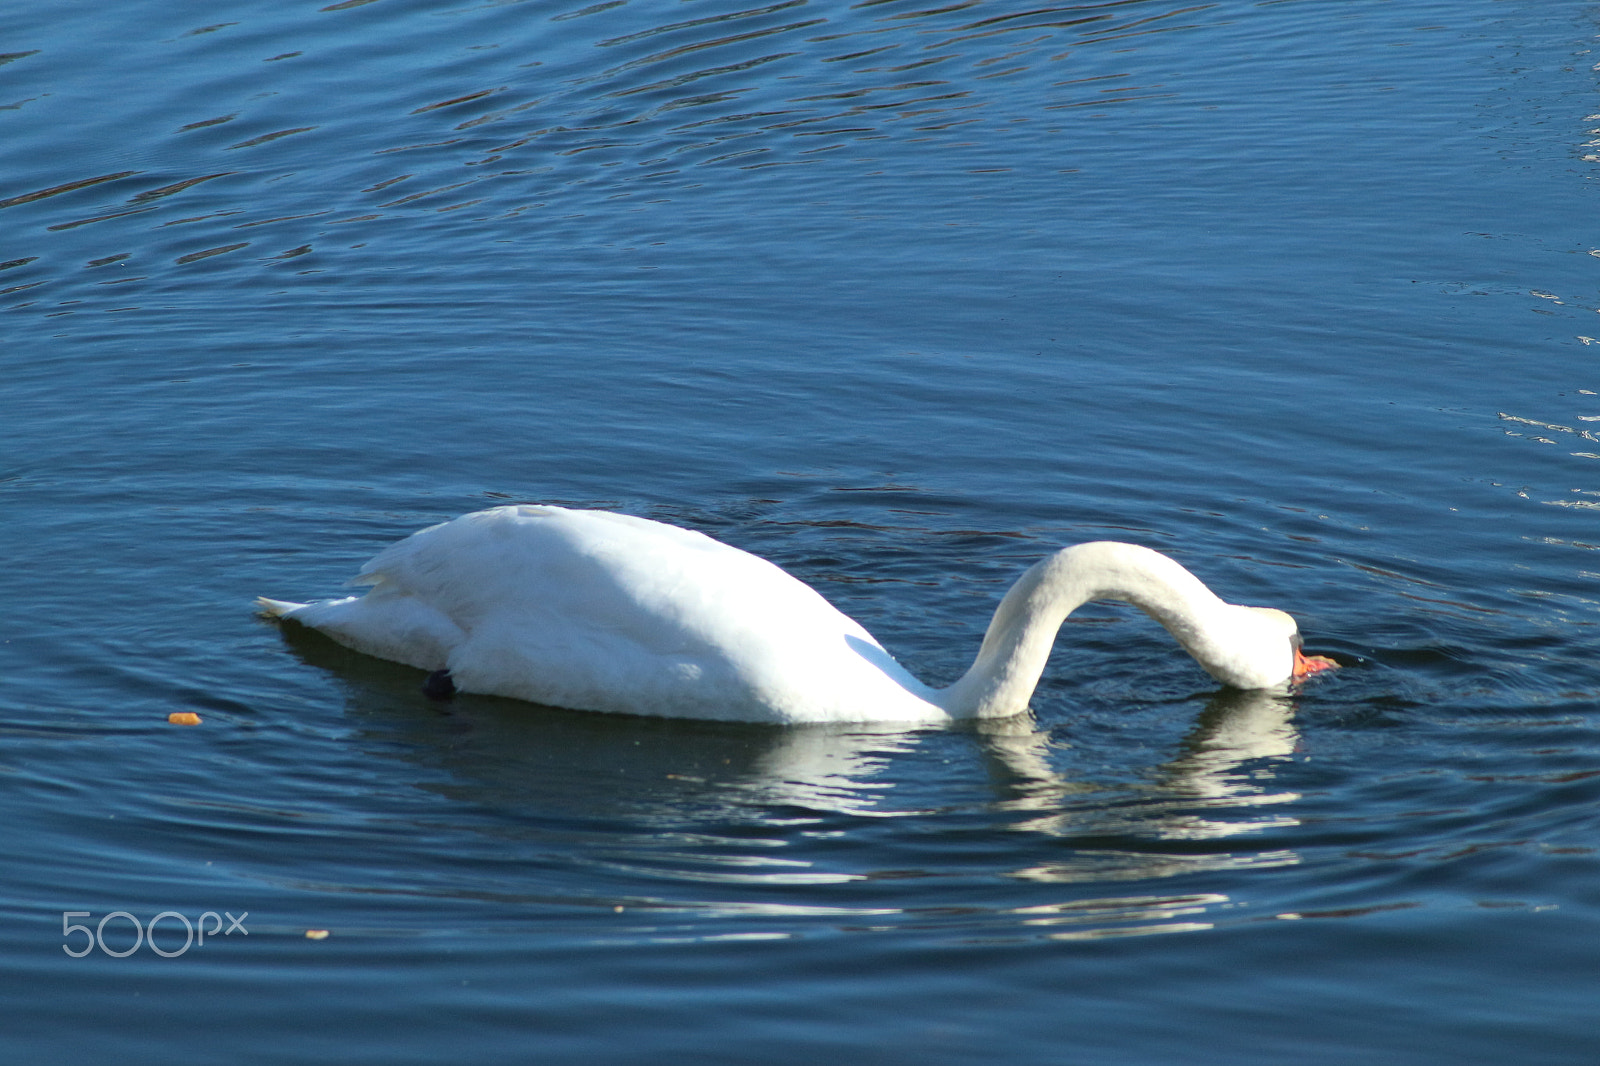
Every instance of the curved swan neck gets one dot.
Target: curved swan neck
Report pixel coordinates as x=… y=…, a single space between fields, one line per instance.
x=1017 y=645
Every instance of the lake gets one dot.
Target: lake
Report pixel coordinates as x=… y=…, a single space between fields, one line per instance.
x=902 y=297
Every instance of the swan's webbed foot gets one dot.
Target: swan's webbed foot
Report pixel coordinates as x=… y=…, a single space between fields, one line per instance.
x=438 y=686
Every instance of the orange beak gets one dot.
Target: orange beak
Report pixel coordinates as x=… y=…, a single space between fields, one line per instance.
x=1306 y=665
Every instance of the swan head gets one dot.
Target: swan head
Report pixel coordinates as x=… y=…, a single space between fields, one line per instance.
x=1260 y=649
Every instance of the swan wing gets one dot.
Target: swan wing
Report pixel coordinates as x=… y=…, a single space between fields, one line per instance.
x=600 y=611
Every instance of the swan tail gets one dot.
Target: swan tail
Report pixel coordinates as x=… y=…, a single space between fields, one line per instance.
x=276 y=608
x=397 y=628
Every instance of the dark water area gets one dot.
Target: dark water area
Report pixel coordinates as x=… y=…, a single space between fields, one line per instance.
x=901 y=297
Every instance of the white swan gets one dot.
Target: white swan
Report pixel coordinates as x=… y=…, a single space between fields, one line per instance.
x=607 y=612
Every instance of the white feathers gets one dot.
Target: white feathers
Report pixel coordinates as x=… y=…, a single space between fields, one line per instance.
x=605 y=612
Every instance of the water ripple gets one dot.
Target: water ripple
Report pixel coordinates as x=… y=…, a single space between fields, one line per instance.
x=545 y=128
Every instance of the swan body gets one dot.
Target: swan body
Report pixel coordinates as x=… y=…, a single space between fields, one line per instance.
x=597 y=611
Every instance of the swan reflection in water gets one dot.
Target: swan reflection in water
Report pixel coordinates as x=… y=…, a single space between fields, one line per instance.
x=684 y=803
x=1235 y=728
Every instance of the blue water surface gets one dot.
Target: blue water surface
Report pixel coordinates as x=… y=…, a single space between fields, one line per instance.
x=901 y=296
